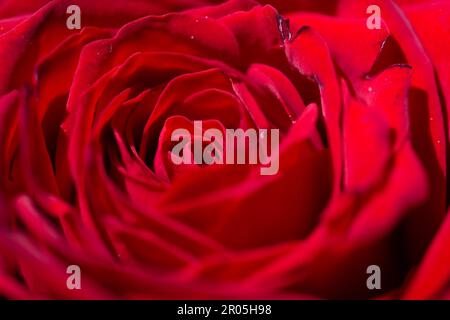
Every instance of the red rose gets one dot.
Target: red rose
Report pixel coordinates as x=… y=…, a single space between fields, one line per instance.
x=87 y=177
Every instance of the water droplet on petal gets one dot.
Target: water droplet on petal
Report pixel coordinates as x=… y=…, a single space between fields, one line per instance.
x=192 y=37
x=370 y=89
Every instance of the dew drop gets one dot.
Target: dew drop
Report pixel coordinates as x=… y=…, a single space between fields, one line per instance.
x=370 y=89
x=192 y=37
